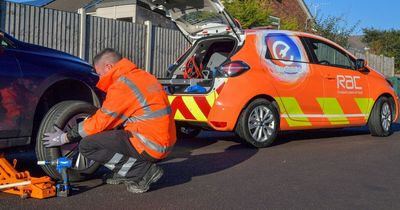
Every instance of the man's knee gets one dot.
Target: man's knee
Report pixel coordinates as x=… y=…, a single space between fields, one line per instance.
x=86 y=146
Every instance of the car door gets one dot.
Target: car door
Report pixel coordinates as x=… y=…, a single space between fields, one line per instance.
x=10 y=101
x=346 y=98
x=296 y=83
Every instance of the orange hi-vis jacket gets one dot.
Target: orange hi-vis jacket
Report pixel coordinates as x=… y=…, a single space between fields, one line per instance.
x=135 y=99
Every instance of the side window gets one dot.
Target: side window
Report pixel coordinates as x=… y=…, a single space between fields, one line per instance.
x=326 y=54
x=285 y=48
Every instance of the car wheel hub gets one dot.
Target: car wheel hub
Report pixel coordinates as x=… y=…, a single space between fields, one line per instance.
x=71 y=151
x=386 y=117
x=261 y=123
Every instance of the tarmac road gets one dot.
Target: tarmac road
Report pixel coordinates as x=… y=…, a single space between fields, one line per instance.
x=330 y=169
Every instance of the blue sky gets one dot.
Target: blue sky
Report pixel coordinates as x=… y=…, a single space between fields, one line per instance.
x=384 y=14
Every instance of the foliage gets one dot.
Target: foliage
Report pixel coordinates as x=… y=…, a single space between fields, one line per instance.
x=384 y=42
x=290 y=24
x=250 y=13
x=334 y=28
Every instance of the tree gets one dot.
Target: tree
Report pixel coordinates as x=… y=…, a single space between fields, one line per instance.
x=250 y=13
x=334 y=28
x=384 y=42
x=290 y=23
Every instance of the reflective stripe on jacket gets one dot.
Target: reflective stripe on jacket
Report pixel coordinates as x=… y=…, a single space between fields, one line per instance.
x=136 y=100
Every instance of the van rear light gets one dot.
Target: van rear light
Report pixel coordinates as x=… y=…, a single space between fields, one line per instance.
x=219 y=124
x=234 y=68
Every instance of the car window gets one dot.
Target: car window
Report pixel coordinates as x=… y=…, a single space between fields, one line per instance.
x=284 y=48
x=326 y=54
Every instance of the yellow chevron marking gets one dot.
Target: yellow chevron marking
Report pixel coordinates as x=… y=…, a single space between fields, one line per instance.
x=179 y=115
x=171 y=99
x=365 y=105
x=288 y=106
x=191 y=104
x=211 y=98
x=330 y=106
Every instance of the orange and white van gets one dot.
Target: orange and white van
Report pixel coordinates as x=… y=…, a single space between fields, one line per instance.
x=259 y=82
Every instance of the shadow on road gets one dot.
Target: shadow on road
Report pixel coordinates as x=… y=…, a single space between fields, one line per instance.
x=182 y=166
x=189 y=159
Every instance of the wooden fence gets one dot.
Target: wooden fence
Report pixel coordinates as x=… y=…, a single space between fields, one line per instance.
x=68 y=32
x=385 y=65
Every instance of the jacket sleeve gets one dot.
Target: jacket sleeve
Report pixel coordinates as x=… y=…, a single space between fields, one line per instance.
x=119 y=104
x=73 y=134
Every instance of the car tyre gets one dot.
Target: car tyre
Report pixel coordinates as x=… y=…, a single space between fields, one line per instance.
x=258 y=123
x=381 y=118
x=65 y=115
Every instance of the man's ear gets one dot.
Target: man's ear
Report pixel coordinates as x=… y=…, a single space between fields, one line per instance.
x=109 y=66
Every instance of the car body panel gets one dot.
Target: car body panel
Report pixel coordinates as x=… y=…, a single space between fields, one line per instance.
x=39 y=69
x=10 y=90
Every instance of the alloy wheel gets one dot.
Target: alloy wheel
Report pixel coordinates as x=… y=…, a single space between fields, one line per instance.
x=71 y=151
x=261 y=123
x=386 y=116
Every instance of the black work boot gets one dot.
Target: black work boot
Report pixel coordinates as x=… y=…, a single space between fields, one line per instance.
x=115 y=178
x=152 y=175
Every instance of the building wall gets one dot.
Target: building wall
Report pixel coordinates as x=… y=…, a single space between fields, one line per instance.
x=288 y=9
x=116 y=12
x=137 y=14
x=143 y=14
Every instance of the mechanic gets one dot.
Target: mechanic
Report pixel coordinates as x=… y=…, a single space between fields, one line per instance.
x=136 y=101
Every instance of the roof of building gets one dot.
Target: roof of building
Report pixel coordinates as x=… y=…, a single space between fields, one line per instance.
x=89 y=5
x=305 y=8
x=68 y=5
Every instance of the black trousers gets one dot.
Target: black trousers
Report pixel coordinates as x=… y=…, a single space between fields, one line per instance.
x=114 y=150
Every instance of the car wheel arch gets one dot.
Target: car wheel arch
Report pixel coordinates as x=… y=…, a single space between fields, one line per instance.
x=260 y=96
x=65 y=88
x=392 y=103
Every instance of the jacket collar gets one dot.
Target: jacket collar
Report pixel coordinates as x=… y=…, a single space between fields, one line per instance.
x=122 y=67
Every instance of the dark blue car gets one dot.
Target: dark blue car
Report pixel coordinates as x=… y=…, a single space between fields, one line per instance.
x=40 y=88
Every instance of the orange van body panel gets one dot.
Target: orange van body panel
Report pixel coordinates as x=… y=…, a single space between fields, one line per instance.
x=319 y=97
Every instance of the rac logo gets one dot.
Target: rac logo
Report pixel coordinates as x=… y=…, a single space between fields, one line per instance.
x=347 y=82
x=283 y=52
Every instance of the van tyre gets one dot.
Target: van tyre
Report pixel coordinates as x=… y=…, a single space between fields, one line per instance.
x=258 y=123
x=381 y=118
x=65 y=115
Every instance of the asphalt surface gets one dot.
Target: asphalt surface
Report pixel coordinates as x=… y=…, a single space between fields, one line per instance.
x=330 y=169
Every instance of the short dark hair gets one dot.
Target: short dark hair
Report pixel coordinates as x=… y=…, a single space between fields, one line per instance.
x=114 y=55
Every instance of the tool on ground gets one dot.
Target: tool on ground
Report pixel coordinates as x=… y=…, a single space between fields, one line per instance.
x=22 y=184
x=62 y=164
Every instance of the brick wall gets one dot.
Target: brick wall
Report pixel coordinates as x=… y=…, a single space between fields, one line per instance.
x=287 y=9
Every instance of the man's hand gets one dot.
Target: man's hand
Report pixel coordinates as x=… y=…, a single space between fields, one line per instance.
x=55 y=139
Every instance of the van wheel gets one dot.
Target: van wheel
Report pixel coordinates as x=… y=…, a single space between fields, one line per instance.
x=259 y=123
x=65 y=115
x=187 y=132
x=381 y=118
